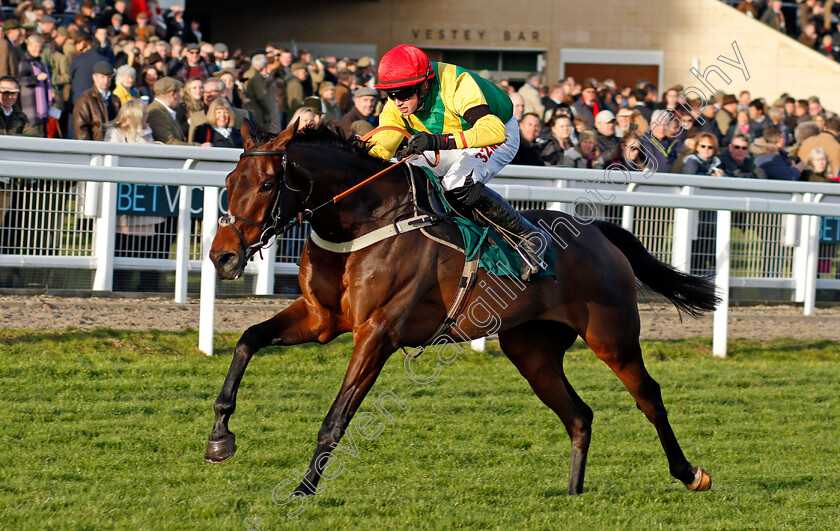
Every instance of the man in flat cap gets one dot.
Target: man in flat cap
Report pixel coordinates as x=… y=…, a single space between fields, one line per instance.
x=161 y=113
x=96 y=106
x=10 y=52
x=295 y=92
x=364 y=103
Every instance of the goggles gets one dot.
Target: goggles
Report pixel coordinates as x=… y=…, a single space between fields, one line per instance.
x=402 y=93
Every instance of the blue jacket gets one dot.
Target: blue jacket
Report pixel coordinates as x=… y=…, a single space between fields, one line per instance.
x=772 y=161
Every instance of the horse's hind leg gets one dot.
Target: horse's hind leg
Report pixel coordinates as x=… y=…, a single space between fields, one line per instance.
x=624 y=356
x=292 y=326
x=536 y=349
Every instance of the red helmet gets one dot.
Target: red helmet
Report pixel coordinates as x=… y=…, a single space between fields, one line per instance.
x=404 y=66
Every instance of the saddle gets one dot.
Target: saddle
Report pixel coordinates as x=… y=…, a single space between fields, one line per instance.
x=476 y=241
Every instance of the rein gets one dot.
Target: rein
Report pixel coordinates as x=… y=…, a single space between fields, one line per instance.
x=272 y=227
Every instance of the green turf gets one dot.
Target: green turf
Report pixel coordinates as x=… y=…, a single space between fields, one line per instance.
x=107 y=429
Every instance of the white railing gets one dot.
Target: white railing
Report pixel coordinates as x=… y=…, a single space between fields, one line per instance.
x=662 y=209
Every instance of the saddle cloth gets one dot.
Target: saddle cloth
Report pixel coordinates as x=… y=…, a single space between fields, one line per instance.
x=495 y=253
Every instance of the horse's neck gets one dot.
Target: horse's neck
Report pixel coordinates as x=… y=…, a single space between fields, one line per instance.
x=374 y=205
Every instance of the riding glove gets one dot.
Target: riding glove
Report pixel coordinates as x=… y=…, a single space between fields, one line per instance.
x=423 y=141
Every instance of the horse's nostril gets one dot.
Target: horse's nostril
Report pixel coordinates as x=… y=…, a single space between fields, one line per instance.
x=227 y=261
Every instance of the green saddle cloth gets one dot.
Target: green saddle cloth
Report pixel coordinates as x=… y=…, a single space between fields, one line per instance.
x=496 y=256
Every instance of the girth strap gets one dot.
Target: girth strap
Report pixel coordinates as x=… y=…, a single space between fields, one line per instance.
x=374 y=236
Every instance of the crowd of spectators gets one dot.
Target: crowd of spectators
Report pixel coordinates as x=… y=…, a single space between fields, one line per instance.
x=597 y=124
x=129 y=71
x=814 y=23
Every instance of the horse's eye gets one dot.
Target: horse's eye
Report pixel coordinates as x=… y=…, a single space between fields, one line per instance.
x=266 y=186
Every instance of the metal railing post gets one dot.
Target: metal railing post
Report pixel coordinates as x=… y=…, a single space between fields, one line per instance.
x=264 y=284
x=182 y=242
x=105 y=228
x=813 y=246
x=722 y=249
x=682 y=236
x=207 y=310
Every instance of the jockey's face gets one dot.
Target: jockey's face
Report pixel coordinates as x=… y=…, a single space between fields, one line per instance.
x=408 y=106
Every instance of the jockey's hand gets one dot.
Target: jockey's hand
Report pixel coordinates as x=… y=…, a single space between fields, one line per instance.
x=421 y=142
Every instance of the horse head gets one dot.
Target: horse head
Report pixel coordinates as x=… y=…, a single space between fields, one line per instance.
x=260 y=201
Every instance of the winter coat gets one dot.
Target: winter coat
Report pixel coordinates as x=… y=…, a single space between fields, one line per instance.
x=769 y=159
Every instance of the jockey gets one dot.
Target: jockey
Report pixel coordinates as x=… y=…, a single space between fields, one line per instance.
x=470 y=121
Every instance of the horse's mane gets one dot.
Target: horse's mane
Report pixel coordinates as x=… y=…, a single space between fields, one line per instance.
x=328 y=134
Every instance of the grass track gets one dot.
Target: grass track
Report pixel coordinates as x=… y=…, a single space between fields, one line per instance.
x=107 y=430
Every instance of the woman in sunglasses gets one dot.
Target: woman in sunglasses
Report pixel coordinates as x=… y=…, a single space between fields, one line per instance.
x=466 y=118
x=704 y=160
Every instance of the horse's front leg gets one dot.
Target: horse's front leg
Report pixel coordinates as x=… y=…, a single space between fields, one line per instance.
x=372 y=348
x=294 y=325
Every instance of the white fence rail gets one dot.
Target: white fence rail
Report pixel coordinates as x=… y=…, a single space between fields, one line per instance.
x=687 y=221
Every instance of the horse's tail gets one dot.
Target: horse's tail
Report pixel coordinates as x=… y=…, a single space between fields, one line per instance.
x=689 y=293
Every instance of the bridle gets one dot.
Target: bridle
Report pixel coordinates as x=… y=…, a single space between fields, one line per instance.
x=272 y=226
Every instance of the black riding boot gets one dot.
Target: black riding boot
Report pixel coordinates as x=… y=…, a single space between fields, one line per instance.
x=533 y=242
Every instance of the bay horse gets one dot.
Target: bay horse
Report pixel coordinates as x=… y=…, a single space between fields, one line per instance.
x=395 y=293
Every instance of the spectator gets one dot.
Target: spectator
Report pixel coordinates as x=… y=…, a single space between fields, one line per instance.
x=670 y=100
x=303 y=117
x=605 y=125
x=556 y=97
x=193 y=99
x=704 y=160
x=364 y=103
x=819 y=119
x=622 y=120
x=636 y=101
x=626 y=154
x=742 y=125
x=215 y=88
x=219 y=129
x=14 y=34
x=161 y=113
x=726 y=114
x=824 y=139
x=774 y=17
x=518 y=105
x=234 y=92
x=757 y=119
x=709 y=124
x=771 y=159
x=828 y=48
x=8 y=57
x=530 y=93
x=329 y=105
x=660 y=149
x=81 y=68
x=257 y=90
x=819 y=167
x=558 y=142
x=586 y=154
x=176 y=26
x=15 y=197
x=748 y=8
x=102 y=43
x=96 y=106
x=735 y=159
x=13 y=121
x=802 y=132
x=295 y=91
x=588 y=107
x=809 y=37
x=529 y=153
x=146 y=89
x=194 y=66
x=344 y=92
x=36 y=96
x=124 y=79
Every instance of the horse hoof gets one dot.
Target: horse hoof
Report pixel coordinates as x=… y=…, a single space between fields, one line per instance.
x=221 y=450
x=702 y=480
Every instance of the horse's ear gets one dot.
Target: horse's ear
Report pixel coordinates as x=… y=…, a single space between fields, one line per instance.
x=249 y=131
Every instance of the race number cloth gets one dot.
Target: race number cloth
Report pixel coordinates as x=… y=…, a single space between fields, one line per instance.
x=497 y=256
